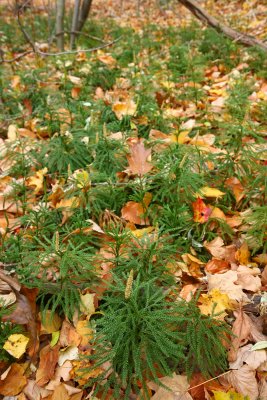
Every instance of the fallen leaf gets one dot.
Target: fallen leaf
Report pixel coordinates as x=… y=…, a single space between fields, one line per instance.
x=134 y=212
x=215 y=302
x=247 y=278
x=37 y=180
x=201 y=211
x=70 y=353
x=244 y=381
x=178 y=388
x=241 y=330
x=138 y=158
x=210 y=192
x=14 y=381
x=217 y=266
x=85 y=332
x=216 y=247
x=16 y=344
x=254 y=359
x=87 y=306
x=50 y=322
x=243 y=254
x=123 y=108
x=237 y=188
x=226 y=284
x=231 y=395
x=48 y=361
x=60 y=393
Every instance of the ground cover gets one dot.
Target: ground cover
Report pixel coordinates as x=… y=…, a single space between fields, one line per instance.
x=133 y=212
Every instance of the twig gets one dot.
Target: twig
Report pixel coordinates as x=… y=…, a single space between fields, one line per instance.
x=79 y=33
x=60 y=53
x=209 y=380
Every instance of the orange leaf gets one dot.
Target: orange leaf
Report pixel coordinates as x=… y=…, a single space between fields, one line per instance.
x=134 y=212
x=201 y=211
x=48 y=360
x=14 y=382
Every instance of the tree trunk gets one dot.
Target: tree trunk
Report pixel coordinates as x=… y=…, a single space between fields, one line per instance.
x=84 y=12
x=60 y=24
x=205 y=17
x=74 y=25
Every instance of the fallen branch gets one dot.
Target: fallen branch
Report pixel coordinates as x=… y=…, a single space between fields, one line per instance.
x=205 y=17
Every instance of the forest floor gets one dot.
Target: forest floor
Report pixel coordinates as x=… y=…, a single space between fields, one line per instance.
x=133 y=206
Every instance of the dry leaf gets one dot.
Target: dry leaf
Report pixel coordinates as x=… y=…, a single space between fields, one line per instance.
x=254 y=359
x=210 y=192
x=216 y=247
x=48 y=361
x=134 y=212
x=241 y=331
x=226 y=284
x=178 y=388
x=14 y=381
x=16 y=344
x=50 y=322
x=247 y=279
x=37 y=180
x=244 y=381
x=85 y=332
x=60 y=393
x=70 y=353
x=138 y=158
x=201 y=211
x=68 y=335
x=216 y=266
x=215 y=302
x=122 y=108
x=237 y=188
x=87 y=306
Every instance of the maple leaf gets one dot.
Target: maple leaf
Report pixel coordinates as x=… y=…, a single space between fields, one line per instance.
x=37 y=180
x=122 y=108
x=215 y=302
x=139 y=157
x=201 y=211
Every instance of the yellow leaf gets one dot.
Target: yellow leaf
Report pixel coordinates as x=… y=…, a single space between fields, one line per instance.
x=16 y=345
x=85 y=332
x=51 y=323
x=216 y=302
x=121 y=109
x=37 y=180
x=139 y=233
x=209 y=192
x=87 y=306
x=12 y=132
x=181 y=138
x=231 y=395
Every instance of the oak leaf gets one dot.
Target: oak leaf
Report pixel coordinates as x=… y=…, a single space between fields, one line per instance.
x=138 y=158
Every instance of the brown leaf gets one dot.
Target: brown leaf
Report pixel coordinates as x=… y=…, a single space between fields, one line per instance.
x=23 y=315
x=247 y=279
x=69 y=335
x=34 y=392
x=134 y=212
x=253 y=359
x=48 y=360
x=139 y=157
x=178 y=387
x=14 y=382
x=237 y=188
x=226 y=283
x=241 y=330
x=244 y=381
x=60 y=393
x=243 y=254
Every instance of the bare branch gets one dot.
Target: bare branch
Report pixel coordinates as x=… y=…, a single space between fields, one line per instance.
x=205 y=17
x=61 y=53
